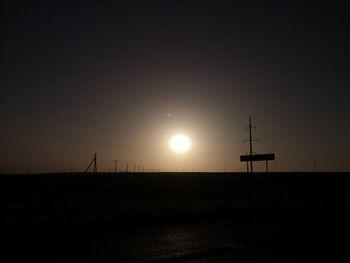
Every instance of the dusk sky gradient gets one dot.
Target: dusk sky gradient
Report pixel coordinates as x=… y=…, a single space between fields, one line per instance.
x=119 y=79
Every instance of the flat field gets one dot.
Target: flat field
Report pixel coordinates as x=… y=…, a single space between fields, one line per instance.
x=175 y=217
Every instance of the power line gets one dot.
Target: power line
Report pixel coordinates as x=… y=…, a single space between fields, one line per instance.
x=91 y=123
x=98 y=106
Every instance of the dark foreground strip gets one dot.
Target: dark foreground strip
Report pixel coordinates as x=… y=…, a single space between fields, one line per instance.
x=194 y=254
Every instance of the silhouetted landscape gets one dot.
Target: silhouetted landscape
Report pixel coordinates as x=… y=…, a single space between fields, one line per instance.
x=176 y=217
x=174 y=131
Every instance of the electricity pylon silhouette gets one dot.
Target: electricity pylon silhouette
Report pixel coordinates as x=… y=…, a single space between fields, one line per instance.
x=251 y=140
x=94 y=161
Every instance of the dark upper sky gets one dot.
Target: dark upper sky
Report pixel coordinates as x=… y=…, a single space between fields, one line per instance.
x=120 y=78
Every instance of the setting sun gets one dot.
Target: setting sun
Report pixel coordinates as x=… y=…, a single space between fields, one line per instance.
x=180 y=143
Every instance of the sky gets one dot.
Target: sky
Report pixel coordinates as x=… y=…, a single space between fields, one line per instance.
x=119 y=79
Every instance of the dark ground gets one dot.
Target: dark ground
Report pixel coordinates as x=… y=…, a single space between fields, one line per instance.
x=182 y=217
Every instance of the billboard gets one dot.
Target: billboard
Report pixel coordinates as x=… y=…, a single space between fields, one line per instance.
x=258 y=157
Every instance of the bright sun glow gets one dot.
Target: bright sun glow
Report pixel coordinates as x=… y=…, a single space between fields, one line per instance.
x=180 y=143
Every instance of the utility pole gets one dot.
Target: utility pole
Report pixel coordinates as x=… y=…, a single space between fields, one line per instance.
x=251 y=140
x=94 y=161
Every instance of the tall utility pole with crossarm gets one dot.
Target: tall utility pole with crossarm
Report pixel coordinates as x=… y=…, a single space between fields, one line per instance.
x=251 y=140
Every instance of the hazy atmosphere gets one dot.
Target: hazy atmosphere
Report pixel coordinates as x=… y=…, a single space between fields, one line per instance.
x=121 y=79
x=174 y=131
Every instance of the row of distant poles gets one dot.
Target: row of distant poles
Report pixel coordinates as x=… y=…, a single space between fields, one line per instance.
x=93 y=164
x=132 y=168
